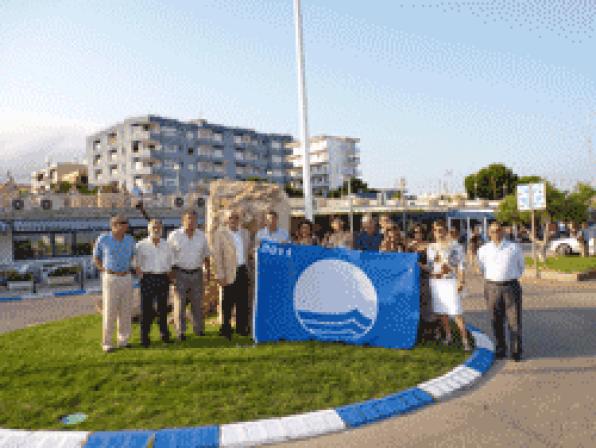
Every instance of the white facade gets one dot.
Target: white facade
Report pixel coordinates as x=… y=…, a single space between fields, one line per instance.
x=332 y=161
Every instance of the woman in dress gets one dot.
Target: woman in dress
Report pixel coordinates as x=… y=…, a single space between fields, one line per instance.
x=446 y=265
x=304 y=235
x=392 y=240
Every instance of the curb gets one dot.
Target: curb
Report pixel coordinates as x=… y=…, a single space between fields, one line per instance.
x=45 y=295
x=275 y=430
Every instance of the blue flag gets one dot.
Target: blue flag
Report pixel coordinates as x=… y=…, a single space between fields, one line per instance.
x=310 y=292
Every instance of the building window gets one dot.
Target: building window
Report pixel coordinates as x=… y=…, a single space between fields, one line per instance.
x=238 y=139
x=191 y=151
x=170 y=148
x=218 y=137
x=135 y=146
x=170 y=182
x=169 y=164
x=63 y=244
x=276 y=144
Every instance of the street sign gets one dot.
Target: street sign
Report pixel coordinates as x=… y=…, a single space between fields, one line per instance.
x=523 y=198
x=538 y=196
x=531 y=197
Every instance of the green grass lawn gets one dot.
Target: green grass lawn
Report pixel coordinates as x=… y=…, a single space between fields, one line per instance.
x=566 y=264
x=55 y=369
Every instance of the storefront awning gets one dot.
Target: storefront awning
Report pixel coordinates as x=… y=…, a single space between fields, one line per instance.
x=80 y=225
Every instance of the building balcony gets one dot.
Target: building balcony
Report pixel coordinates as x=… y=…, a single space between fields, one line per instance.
x=140 y=135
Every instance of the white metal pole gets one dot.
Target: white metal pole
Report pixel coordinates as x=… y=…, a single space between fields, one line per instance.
x=306 y=187
x=351 y=213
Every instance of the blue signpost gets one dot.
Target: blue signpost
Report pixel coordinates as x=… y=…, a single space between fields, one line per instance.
x=310 y=292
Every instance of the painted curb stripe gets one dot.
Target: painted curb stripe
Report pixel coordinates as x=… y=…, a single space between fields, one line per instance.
x=480 y=360
x=203 y=436
x=56 y=439
x=14 y=438
x=280 y=429
x=371 y=411
x=483 y=341
x=44 y=295
x=119 y=439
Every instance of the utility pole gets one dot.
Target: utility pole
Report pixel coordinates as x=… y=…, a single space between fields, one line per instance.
x=306 y=186
x=402 y=185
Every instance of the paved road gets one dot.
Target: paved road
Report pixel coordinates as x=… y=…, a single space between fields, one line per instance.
x=548 y=400
x=15 y=315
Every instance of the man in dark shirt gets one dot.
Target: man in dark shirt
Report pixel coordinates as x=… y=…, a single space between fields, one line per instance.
x=369 y=237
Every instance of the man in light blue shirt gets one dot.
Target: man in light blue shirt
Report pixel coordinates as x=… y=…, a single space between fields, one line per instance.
x=271 y=232
x=113 y=254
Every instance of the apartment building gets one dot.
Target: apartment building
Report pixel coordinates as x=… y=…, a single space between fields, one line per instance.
x=332 y=160
x=166 y=156
x=43 y=179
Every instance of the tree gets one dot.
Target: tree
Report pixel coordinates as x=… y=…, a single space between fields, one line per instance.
x=61 y=187
x=357 y=185
x=293 y=192
x=492 y=182
x=256 y=179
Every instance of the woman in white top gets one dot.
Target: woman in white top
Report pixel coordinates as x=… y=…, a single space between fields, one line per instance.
x=446 y=265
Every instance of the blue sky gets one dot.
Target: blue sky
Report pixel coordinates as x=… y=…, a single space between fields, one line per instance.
x=434 y=89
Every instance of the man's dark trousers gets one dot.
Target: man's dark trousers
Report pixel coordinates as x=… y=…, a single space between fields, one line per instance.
x=505 y=299
x=236 y=294
x=154 y=290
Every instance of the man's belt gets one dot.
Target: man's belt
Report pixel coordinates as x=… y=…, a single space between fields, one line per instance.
x=503 y=283
x=119 y=274
x=187 y=271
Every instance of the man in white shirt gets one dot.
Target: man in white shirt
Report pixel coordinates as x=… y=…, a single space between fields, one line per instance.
x=502 y=264
x=231 y=252
x=271 y=232
x=154 y=266
x=190 y=252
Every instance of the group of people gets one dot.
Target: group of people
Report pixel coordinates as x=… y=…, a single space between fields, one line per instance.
x=182 y=258
x=443 y=266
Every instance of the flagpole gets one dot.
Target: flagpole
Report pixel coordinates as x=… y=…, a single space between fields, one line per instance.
x=306 y=187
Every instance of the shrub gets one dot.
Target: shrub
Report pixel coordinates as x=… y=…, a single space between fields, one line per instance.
x=14 y=276
x=63 y=271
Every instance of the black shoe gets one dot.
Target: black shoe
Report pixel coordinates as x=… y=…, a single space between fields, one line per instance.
x=517 y=357
x=200 y=333
x=125 y=346
x=244 y=333
x=109 y=350
x=500 y=356
x=226 y=332
x=145 y=344
x=166 y=340
x=182 y=337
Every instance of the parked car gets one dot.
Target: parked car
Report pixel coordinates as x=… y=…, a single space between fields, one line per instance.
x=565 y=246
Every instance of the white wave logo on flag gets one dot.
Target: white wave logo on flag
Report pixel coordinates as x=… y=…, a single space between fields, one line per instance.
x=335 y=299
